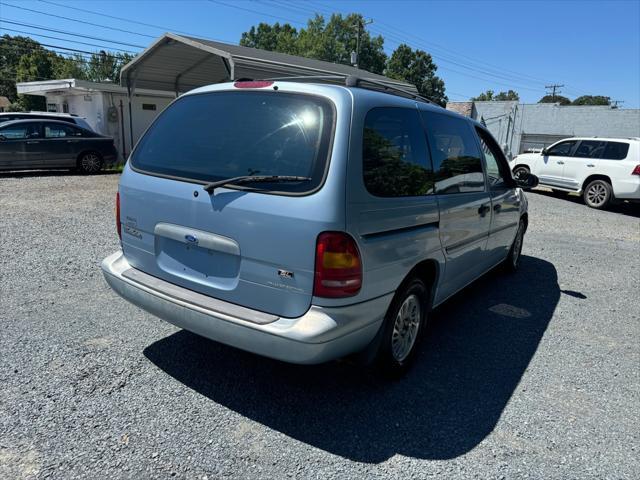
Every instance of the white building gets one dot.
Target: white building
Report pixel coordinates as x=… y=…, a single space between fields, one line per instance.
x=519 y=127
x=105 y=106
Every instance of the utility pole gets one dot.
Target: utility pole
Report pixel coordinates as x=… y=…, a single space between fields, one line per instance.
x=359 y=26
x=553 y=88
x=615 y=103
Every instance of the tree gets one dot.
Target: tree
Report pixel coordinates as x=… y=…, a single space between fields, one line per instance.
x=276 y=38
x=332 y=41
x=106 y=66
x=11 y=50
x=417 y=67
x=592 y=100
x=558 y=99
x=490 y=95
x=22 y=59
x=35 y=65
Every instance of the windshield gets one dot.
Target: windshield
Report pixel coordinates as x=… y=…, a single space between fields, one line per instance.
x=219 y=135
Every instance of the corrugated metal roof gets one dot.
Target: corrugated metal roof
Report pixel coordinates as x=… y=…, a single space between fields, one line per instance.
x=181 y=63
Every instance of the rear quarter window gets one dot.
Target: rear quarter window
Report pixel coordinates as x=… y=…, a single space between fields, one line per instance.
x=396 y=161
x=219 y=135
x=615 y=151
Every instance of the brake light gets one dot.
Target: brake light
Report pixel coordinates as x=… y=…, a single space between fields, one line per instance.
x=118 y=224
x=636 y=171
x=338 y=268
x=252 y=84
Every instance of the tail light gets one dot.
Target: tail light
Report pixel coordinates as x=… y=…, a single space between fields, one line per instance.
x=636 y=171
x=252 y=84
x=118 y=224
x=338 y=266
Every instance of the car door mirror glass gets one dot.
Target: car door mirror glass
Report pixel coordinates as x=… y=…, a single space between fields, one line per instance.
x=526 y=180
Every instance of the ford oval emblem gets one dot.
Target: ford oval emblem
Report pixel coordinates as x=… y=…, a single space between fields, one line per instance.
x=191 y=239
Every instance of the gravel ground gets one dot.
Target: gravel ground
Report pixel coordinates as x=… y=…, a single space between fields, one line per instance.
x=531 y=375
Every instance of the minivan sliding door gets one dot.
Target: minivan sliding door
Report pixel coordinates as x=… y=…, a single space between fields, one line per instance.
x=465 y=205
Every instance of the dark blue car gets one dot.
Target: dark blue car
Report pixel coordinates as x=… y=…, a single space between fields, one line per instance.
x=43 y=144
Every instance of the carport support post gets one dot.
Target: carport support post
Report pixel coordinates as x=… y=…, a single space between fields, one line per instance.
x=131 y=88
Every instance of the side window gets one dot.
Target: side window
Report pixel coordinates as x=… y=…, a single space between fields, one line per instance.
x=394 y=153
x=497 y=166
x=21 y=131
x=589 y=149
x=615 y=151
x=456 y=157
x=56 y=130
x=562 y=149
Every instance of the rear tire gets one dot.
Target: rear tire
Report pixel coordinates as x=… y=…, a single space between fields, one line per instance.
x=402 y=329
x=519 y=171
x=89 y=163
x=598 y=194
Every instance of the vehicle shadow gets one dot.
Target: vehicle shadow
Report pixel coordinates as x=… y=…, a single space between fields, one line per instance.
x=477 y=349
x=623 y=208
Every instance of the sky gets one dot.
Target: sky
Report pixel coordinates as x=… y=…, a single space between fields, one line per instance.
x=590 y=47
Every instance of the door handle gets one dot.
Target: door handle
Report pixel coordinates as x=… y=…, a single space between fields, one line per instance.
x=482 y=211
x=591 y=165
x=497 y=207
x=30 y=142
x=73 y=141
x=560 y=162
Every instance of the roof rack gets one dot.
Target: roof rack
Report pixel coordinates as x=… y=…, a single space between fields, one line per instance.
x=354 y=81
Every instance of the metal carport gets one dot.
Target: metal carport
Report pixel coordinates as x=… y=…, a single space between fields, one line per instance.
x=180 y=63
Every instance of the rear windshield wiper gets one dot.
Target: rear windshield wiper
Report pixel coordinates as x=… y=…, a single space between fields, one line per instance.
x=210 y=187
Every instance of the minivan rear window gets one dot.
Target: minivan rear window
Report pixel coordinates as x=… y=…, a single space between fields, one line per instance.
x=213 y=136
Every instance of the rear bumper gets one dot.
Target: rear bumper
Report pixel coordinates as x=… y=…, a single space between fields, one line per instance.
x=627 y=189
x=320 y=335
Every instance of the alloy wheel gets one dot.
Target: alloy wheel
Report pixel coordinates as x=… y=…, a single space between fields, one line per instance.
x=90 y=163
x=597 y=194
x=405 y=328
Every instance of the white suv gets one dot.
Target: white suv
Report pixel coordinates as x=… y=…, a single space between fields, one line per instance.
x=601 y=169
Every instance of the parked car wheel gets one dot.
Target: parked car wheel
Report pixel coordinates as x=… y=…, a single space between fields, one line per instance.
x=597 y=194
x=402 y=328
x=512 y=262
x=520 y=171
x=89 y=162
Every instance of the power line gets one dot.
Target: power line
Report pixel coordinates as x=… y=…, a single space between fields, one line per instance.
x=123 y=19
x=483 y=70
x=84 y=22
x=277 y=17
x=555 y=87
x=64 y=32
x=66 y=40
x=487 y=69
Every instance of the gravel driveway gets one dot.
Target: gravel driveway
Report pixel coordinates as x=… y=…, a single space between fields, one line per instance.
x=531 y=375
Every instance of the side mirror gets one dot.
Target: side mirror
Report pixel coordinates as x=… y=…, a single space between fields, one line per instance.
x=2 y=137
x=544 y=152
x=526 y=180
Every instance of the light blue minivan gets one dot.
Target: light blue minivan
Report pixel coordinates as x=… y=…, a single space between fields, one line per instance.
x=308 y=221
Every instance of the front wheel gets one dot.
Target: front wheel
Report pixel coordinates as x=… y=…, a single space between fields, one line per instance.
x=597 y=194
x=402 y=328
x=89 y=163
x=512 y=262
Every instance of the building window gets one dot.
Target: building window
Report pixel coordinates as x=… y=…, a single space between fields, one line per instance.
x=52 y=107
x=65 y=107
x=148 y=106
